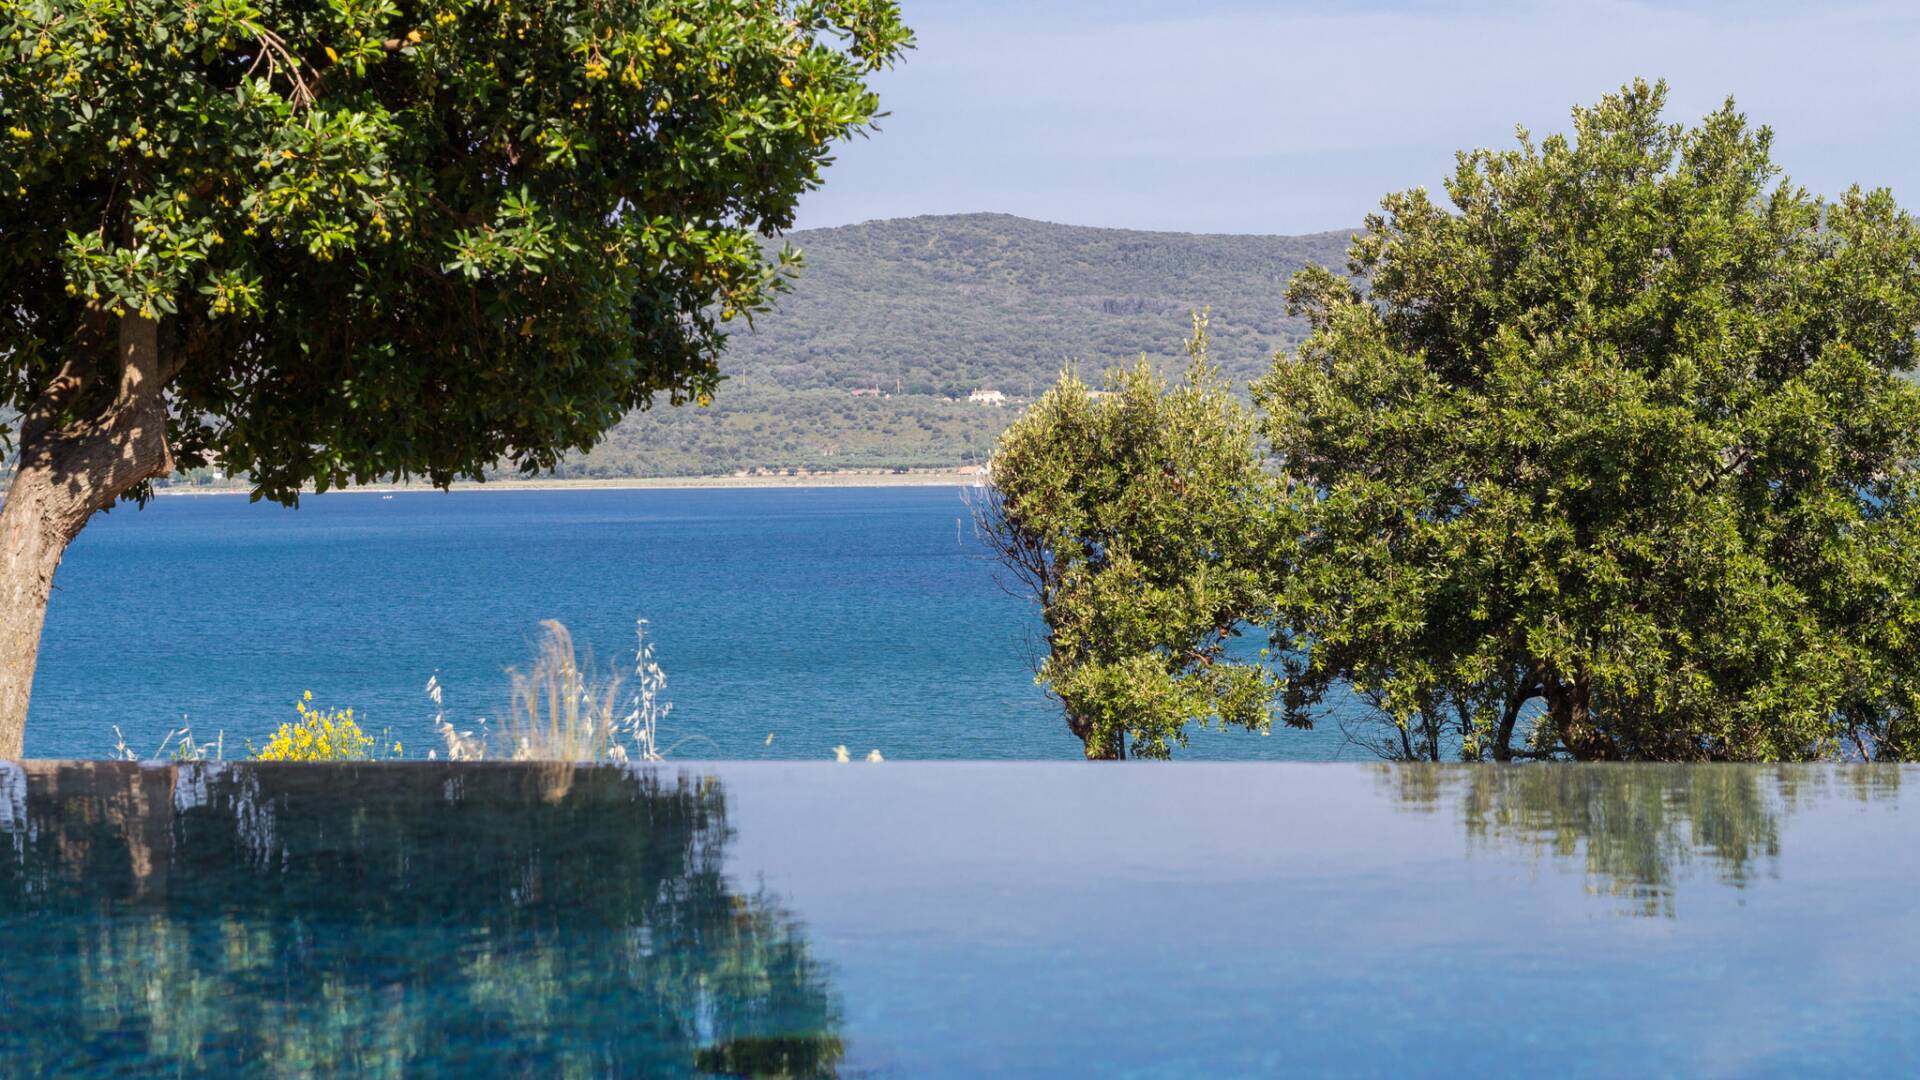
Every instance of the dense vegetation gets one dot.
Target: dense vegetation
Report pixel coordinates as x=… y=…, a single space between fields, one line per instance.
x=929 y=309
x=750 y=426
x=1619 y=436
x=334 y=242
x=1146 y=528
x=926 y=310
x=943 y=305
x=1612 y=459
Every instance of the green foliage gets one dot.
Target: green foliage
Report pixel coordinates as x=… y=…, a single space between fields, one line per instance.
x=387 y=238
x=1620 y=442
x=946 y=304
x=754 y=425
x=926 y=310
x=1144 y=523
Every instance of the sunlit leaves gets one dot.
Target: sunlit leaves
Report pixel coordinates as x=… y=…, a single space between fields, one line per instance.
x=1616 y=457
x=1144 y=523
x=413 y=238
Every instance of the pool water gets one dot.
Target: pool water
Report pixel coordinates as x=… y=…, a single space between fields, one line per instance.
x=965 y=919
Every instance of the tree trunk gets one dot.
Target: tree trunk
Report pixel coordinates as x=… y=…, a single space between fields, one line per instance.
x=1082 y=729
x=1570 y=707
x=66 y=473
x=1082 y=726
x=1509 y=716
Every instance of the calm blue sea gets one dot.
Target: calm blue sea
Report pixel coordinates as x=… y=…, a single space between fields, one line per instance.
x=867 y=617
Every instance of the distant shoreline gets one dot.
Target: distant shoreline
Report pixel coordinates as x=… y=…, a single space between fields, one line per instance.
x=919 y=478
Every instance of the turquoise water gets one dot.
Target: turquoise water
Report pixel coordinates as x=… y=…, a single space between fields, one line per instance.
x=958 y=919
x=864 y=617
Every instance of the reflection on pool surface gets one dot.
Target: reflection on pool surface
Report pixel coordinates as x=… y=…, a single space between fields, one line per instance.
x=537 y=920
x=956 y=919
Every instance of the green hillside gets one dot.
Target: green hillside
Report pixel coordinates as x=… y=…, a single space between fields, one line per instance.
x=754 y=426
x=928 y=309
x=925 y=310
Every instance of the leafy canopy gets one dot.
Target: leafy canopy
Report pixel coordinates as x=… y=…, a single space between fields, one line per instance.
x=1620 y=442
x=388 y=237
x=1143 y=521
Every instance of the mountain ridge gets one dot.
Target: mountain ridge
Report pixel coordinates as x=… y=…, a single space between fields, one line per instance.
x=997 y=294
x=919 y=312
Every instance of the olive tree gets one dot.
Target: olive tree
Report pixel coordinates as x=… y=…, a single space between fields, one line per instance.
x=328 y=242
x=1614 y=458
x=1142 y=521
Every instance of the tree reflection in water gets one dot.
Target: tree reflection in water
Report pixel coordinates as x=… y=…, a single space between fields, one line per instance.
x=1636 y=829
x=547 y=920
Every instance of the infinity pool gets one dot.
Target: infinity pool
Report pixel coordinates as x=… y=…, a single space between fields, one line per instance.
x=957 y=919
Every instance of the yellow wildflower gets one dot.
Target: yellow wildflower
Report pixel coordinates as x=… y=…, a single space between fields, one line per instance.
x=319 y=736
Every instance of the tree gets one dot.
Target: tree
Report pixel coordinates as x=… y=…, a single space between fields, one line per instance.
x=330 y=242
x=1620 y=443
x=1143 y=523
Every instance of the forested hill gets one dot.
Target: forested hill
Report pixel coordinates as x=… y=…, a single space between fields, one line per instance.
x=928 y=309
x=946 y=305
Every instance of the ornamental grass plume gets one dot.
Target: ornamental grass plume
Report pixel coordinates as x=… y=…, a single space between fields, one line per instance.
x=564 y=710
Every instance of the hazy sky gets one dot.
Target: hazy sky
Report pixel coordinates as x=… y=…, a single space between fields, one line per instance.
x=1284 y=117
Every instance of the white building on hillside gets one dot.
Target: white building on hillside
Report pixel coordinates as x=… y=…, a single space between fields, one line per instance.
x=987 y=397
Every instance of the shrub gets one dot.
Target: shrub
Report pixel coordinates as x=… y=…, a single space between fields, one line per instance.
x=318 y=736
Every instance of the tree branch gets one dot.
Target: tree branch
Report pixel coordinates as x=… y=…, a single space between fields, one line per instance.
x=140 y=367
x=77 y=373
x=1734 y=463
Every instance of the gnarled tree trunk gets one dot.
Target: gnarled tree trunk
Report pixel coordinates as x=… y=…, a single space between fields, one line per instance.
x=1570 y=709
x=70 y=467
x=1082 y=729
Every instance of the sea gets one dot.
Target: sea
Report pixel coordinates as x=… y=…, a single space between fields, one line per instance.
x=788 y=621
